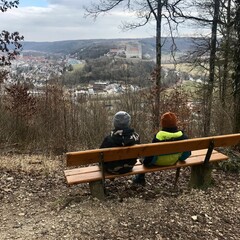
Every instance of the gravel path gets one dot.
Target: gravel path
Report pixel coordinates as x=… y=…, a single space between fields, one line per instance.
x=37 y=204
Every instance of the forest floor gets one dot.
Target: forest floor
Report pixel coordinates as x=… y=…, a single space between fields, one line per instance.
x=36 y=203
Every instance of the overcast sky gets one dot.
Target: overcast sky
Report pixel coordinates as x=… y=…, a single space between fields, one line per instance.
x=55 y=20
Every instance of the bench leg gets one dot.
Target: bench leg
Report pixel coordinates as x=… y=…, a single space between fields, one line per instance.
x=201 y=176
x=97 y=190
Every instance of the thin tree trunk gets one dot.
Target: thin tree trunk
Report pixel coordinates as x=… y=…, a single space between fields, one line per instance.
x=223 y=82
x=158 y=65
x=237 y=71
x=212 y=69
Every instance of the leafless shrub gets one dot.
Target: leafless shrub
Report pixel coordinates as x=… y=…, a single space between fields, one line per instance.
x=21 y=107
x=178 y=100
x=55 y=121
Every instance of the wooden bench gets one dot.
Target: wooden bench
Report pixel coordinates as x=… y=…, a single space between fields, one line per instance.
x=203 y=154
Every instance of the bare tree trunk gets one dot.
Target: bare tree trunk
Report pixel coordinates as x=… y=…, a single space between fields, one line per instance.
x=224 y=79
x=158 y=66
x=211 y=69
x=237 y=71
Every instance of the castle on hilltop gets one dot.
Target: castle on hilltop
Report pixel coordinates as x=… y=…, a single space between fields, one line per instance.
x=131 y=50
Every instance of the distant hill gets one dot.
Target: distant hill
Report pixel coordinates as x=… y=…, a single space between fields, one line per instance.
x=93 y=48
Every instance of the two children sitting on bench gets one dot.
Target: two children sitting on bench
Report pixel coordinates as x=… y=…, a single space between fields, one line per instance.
x=123 y=135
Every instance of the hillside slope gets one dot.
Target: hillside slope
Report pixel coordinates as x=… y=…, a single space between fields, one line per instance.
x=92 y=48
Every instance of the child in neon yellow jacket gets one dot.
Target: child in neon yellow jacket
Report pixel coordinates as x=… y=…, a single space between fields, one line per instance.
x=169 y=132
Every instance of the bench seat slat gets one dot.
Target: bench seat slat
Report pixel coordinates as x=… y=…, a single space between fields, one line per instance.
x=78 y=175
x=84 y=178
x=81 y=170
x=87 y=169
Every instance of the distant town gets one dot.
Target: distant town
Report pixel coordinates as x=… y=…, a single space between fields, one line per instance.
x=37 y=70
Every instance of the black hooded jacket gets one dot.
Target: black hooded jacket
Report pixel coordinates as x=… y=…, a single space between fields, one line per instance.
x=120 y=138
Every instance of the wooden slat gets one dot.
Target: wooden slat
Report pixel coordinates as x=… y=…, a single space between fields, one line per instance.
x=201 y=152
x=69 y=172
x=87 y=169
x=142 y=150
x=84 y=177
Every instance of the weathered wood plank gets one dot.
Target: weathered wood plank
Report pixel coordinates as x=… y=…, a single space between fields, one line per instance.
x=69 y=172
x=77 y=176
x=87 y=169
x=142 y=150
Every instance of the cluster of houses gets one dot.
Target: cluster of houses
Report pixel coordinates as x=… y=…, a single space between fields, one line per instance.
x=103 y=89
x=38 y=70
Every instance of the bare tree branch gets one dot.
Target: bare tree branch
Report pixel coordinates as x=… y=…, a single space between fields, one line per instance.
x=5 y=5
x=104 y=6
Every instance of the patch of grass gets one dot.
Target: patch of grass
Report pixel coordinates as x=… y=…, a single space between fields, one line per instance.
x=78 y=66
x=190 y=86
x=30 y=163
x=186 y=67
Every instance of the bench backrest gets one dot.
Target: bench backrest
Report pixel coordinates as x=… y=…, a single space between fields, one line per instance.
x=149 y=149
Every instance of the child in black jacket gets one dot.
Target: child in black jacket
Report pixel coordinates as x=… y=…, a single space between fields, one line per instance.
x=122 y=135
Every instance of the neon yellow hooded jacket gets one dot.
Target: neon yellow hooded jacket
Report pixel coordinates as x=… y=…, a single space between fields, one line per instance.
x=169 y=159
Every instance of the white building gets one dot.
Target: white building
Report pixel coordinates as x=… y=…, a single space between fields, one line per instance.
x=134 y=50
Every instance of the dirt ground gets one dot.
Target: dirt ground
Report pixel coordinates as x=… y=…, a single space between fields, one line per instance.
x=36 y=203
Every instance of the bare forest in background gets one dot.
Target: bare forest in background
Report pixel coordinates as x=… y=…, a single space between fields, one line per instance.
x=55 y=121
